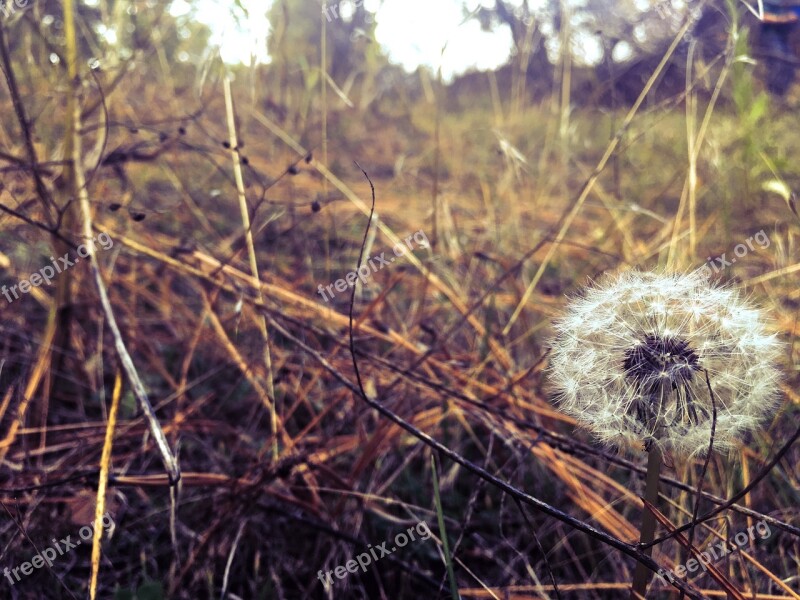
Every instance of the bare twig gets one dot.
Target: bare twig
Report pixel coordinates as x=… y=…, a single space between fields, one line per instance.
x=82 y=193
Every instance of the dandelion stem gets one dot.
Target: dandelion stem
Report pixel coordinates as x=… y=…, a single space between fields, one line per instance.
x=642 y=574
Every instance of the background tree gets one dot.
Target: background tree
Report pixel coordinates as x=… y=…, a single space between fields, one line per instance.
x=354 y=57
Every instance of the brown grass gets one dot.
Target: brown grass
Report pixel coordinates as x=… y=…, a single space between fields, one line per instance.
x=435 y=343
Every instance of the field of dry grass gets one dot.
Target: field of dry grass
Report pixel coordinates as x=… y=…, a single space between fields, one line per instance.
x=292 y=463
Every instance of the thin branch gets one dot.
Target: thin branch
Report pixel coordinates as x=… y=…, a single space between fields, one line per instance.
x=22 y=118
x=82 y=193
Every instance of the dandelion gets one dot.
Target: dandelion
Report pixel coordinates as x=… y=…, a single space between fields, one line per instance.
x=667 y=362
x=630 y=358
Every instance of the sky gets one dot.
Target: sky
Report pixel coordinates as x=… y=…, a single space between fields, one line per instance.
x=412 y=32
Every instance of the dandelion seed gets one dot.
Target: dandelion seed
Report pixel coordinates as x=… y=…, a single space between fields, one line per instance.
x=629 y=358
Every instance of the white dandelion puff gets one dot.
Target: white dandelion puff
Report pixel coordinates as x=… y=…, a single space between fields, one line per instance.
x=630 y=358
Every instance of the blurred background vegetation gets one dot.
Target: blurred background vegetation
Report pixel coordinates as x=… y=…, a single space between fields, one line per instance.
x=619 y=134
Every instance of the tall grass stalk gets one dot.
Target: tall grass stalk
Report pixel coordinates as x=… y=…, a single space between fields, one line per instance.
x=251 y=254
x=451 y=576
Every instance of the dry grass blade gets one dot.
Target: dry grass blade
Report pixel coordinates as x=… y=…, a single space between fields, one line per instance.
x=251 y=255
x=715 y=573
x=105 y=469
x=246 y=370
x=42 y=363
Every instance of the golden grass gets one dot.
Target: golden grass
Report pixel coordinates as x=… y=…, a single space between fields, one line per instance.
x=453 y=341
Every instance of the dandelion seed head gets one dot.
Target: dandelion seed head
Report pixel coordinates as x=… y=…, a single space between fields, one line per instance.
x=630 y=357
